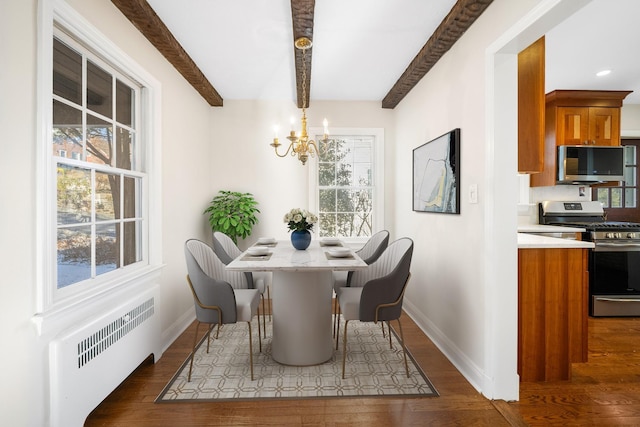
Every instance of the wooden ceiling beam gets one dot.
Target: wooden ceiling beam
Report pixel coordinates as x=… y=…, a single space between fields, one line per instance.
x=144 y=18
x=453 y=26
x=302 y=19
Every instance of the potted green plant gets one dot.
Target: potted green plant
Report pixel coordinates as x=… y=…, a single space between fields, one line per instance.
x=233 y=213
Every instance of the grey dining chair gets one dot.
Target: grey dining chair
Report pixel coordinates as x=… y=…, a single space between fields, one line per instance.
x=371 y=251
x=377 y=292
x=227 y=251
x=220 y=296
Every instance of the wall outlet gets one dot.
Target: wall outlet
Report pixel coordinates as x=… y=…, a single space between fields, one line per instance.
x=473 y=193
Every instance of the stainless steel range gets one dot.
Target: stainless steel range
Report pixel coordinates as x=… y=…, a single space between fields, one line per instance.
x=614 y=263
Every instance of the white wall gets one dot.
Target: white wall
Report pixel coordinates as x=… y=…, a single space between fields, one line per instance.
x=630 y=121
x=185 y=147
x=464 y=287
x=243 y=160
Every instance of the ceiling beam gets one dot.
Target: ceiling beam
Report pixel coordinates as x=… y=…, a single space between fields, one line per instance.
x=302 y=19
x=143 y=17
x=453 y=26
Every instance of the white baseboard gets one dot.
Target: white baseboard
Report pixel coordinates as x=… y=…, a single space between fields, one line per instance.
x=177 y=328
x=467 y=368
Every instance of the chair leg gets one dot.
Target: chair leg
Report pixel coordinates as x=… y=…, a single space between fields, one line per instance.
x=251 y=348
x=209 y=336
x=193 y=351
x=269 y=298
x=383 y=334
x=389 y=328
x=259 y=340
x=344 y=346
x=404 y=350
x=264 y=318
x=337 y=331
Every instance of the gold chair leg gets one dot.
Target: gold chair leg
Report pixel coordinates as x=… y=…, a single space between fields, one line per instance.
x=209 y=335
x=404 y=350
x=337 y=330
x=193 y=351
x=251 y=348
x=259 y=340
x=344 y=346
x=264 y=318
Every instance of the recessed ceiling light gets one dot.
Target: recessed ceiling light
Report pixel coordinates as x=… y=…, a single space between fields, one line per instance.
x=603 y=73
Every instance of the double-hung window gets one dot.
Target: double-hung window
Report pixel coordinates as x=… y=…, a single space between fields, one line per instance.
x=98 y=173
x=349 y=183
x=95 y=146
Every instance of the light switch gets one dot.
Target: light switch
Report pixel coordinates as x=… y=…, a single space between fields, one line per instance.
x=473 y=193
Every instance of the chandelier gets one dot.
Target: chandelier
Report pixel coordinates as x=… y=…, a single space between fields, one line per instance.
x=300 y=145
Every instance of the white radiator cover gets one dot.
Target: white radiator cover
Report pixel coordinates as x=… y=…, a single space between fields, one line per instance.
x=88 y=362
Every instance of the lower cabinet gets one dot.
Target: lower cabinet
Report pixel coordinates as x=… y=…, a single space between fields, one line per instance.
x=552 y=312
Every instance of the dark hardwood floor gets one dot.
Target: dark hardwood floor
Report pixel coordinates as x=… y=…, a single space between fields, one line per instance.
x=603 y=392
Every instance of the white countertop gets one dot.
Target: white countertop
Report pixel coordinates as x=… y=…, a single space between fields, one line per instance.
x=534 y=241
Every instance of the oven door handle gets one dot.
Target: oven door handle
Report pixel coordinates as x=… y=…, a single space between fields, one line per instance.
x=613 y=247
x=618 y=299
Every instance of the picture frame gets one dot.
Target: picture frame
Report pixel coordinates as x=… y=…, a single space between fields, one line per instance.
x=436 y=174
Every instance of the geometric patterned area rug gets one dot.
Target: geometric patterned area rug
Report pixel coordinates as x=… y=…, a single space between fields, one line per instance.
x=372 y=369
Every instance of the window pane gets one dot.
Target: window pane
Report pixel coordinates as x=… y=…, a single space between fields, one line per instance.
x=107 y=248
x=131 y=242
x=327 y=222
x=131 y=197
x=67 y=72
x=124 y=149
x=630 y=198
x=344 y=202
x=99 y=141
x=99 y=87
x=326 y=174
x=327 y=200
x=630 y=155
x=630 y=176
x=107 y=196
x=124 y=104
x=616 y=197
x=74 y=255
x=73 y=195
x=603 y=196
x=67 y=131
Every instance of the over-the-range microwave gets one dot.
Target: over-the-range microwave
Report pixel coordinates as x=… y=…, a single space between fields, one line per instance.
x=584 y=164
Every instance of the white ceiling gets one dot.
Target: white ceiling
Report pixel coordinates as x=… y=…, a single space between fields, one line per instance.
x=605 y=34
x=361 y=47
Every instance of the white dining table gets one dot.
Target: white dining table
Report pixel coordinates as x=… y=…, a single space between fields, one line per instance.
x=301 y=293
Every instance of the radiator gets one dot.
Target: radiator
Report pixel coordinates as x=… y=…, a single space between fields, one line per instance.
x=89 y=362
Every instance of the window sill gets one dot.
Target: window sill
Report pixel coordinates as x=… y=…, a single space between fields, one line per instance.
x=65 y=314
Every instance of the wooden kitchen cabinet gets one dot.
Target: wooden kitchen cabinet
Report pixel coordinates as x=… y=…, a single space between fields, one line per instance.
x=577 y=117
x=587 y=126
x=552 y=312
x=531 y=101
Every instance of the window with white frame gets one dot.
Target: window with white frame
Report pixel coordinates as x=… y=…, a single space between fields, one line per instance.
x=349 y=182
x=98 y=188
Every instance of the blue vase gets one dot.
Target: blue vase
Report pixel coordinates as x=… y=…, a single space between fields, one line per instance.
x=301 y=239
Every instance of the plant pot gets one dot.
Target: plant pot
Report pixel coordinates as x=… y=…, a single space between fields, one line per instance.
x=301 y=239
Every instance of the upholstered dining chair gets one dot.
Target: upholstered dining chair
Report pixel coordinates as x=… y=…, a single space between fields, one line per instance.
x=227 y=251
x=376 y=293
x=371 y=251
x=220 y=296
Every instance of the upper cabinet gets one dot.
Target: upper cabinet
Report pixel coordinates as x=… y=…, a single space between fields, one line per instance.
x=586 y=117
x=578 y=117
x=531 y=108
